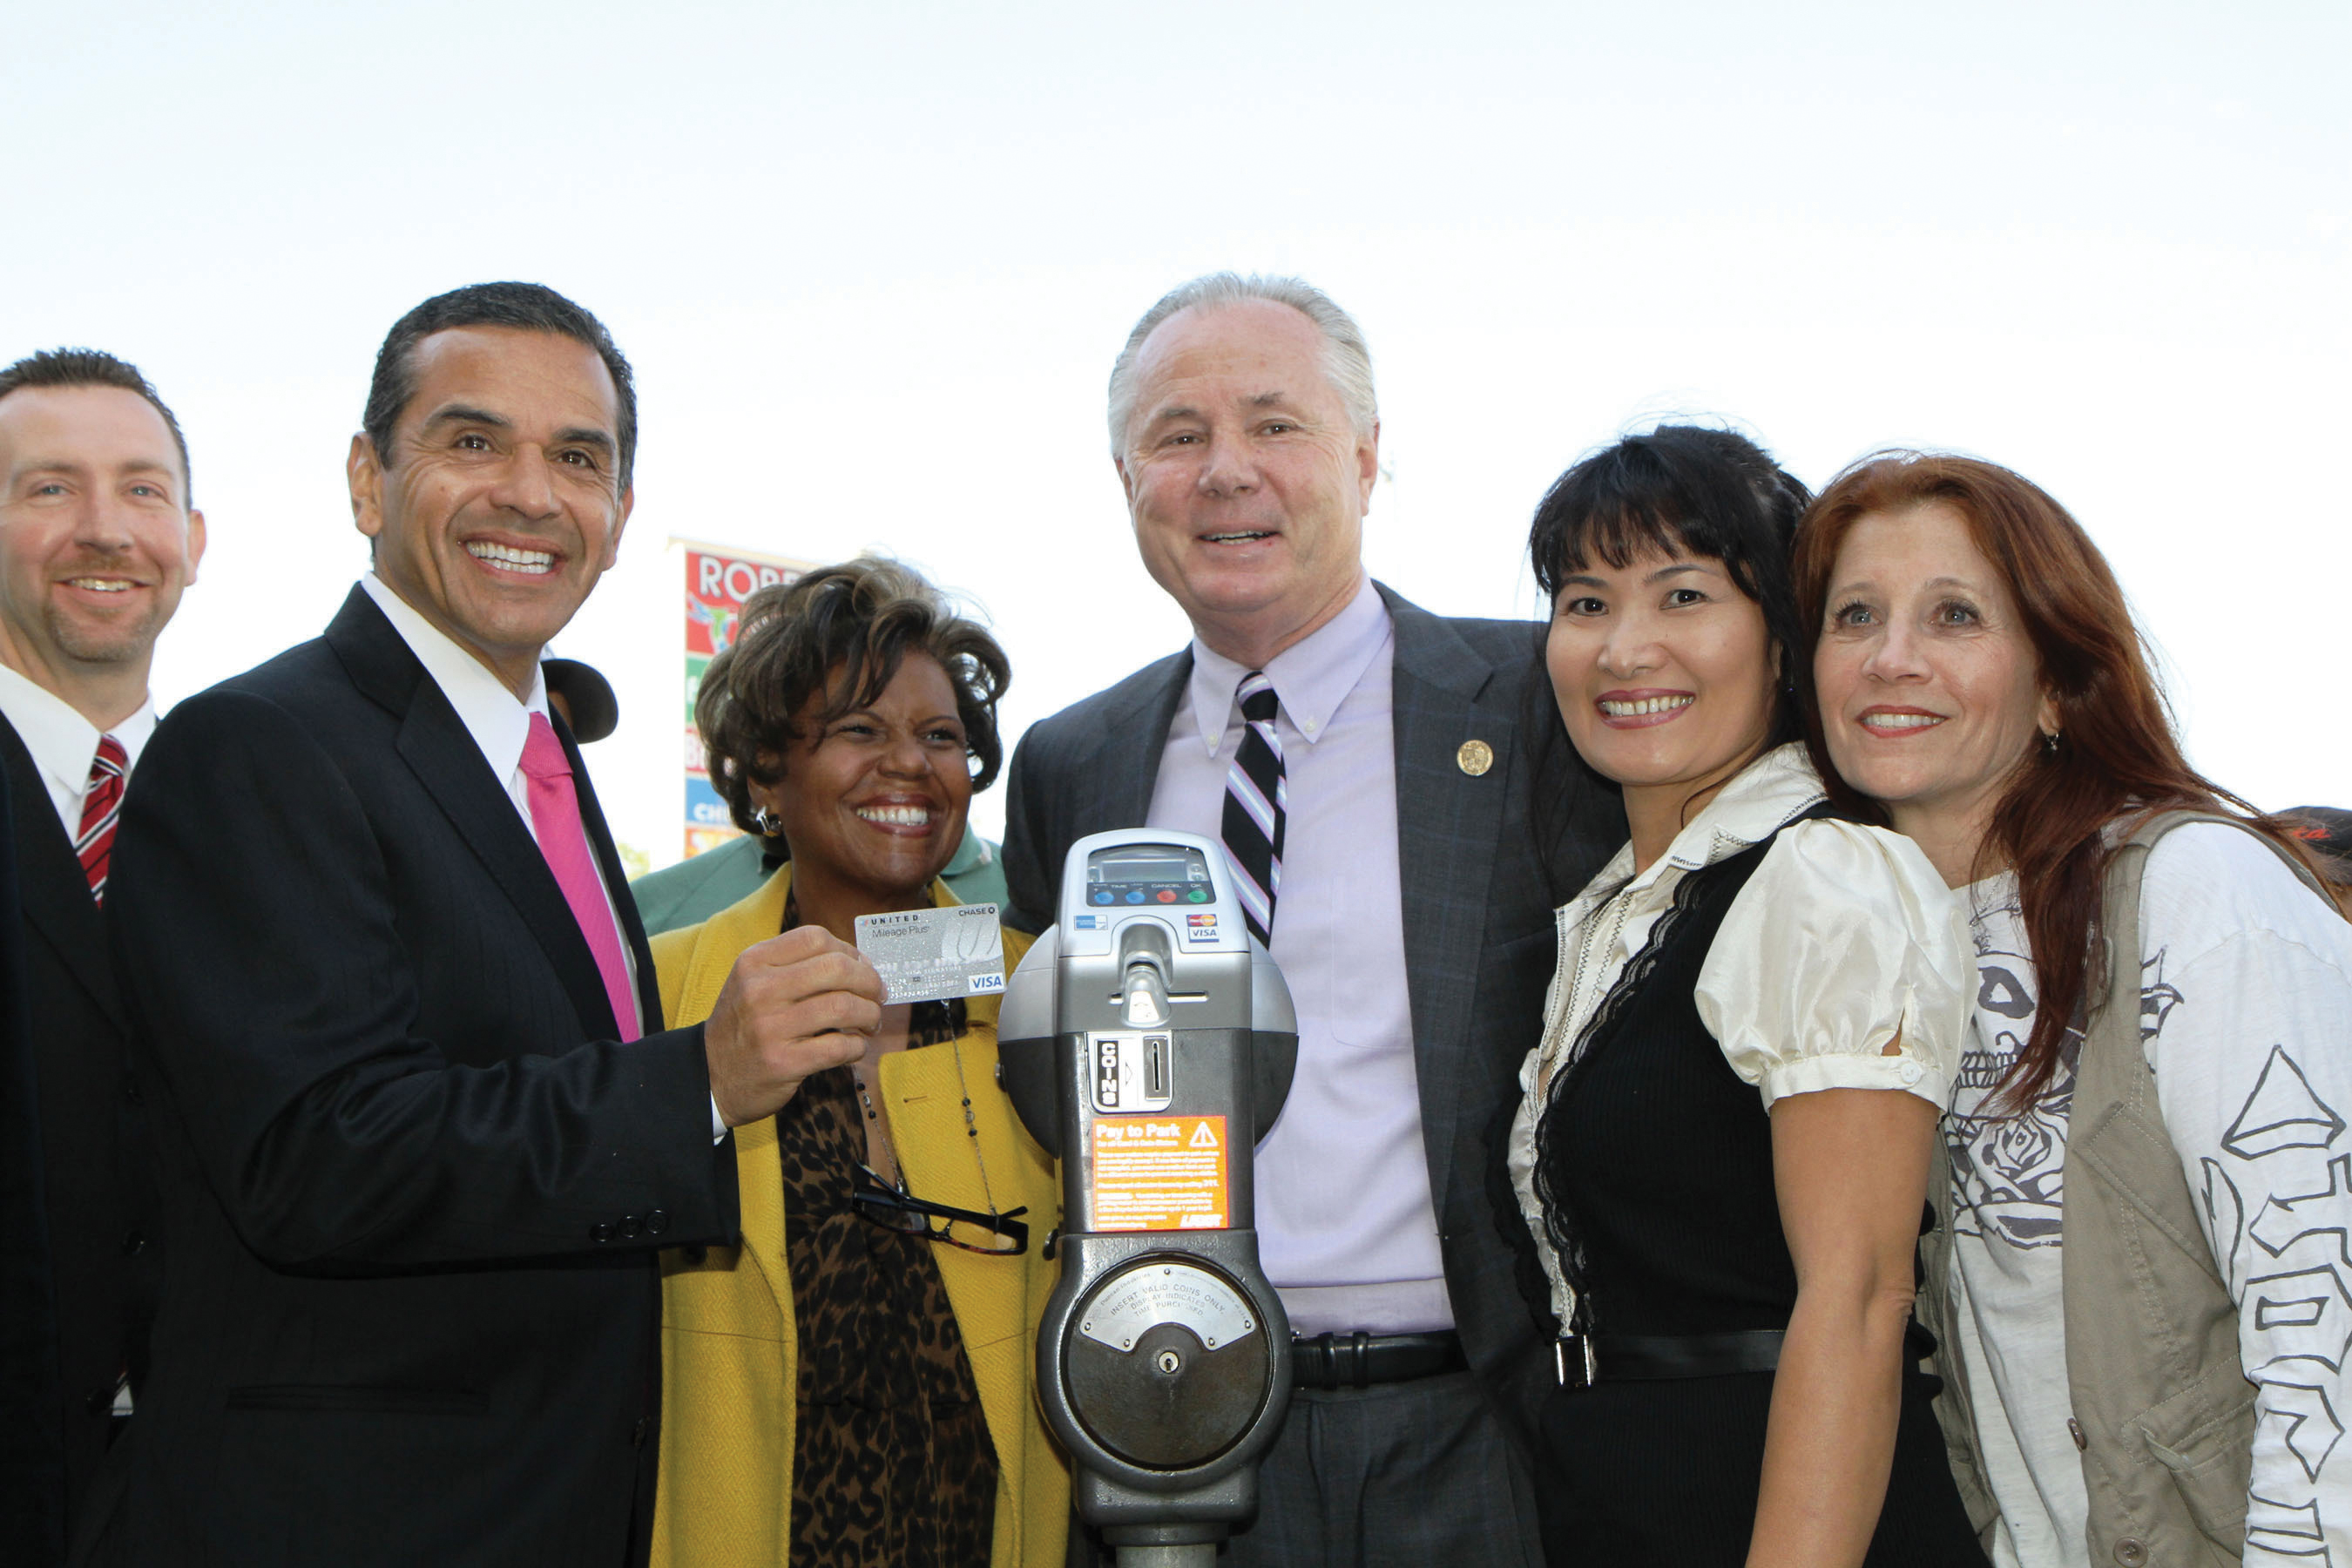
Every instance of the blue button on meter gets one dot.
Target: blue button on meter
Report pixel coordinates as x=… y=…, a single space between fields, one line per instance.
x=1102 y=898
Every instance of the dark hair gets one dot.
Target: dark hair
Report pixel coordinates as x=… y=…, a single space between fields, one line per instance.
x=1688 y=488
x=1685 y=488
x=864 y=617
x=526 y=307
x=2116 y=754
x=93 y=367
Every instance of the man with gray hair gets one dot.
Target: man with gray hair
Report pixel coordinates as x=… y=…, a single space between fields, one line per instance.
x=1359 y=758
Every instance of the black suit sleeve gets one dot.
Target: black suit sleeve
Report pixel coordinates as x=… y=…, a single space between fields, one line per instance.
x=32 y=1463
x=1030 y=885
x=274 y=968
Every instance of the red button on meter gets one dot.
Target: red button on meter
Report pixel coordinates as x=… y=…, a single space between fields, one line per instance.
x=1167 y=895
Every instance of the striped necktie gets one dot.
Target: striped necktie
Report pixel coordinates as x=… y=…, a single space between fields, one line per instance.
x=1257 y=798
x=102 y=803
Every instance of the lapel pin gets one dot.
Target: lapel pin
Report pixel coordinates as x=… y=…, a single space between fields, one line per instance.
x=1475 y=757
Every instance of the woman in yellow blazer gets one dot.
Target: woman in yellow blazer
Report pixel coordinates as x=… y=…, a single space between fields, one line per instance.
x=853 y=1384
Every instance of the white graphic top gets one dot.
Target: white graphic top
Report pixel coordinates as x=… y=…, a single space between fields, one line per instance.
x=2246 y=1018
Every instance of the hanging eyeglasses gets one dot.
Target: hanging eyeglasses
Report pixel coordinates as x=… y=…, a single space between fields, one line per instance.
x=895 y=1208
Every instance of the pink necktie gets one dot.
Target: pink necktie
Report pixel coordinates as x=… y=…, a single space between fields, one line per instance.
x=555 y=821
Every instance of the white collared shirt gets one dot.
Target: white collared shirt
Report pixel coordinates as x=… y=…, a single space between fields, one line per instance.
x=1347 y=1227
x=63 y=743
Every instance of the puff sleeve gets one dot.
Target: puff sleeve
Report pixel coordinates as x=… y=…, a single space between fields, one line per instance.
x=1844 y=937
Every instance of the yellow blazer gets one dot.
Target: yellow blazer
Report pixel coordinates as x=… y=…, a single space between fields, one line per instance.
x=729 y=1362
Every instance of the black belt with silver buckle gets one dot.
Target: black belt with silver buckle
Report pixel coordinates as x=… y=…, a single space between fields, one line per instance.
x=1579 y=1361
x=1359 y=1360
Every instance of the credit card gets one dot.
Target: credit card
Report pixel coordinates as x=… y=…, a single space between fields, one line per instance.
x=926 y=955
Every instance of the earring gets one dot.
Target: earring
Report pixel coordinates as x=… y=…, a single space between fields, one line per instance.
x=768 y=823
x=2050 y=742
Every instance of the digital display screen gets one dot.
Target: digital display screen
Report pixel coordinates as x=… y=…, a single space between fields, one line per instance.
x=1148 y=874
x=1146 y=871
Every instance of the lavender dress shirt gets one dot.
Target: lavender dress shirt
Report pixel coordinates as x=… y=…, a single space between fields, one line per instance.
x=1347 y=1227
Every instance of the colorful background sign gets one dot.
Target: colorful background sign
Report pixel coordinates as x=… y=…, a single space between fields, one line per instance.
x=719 y=578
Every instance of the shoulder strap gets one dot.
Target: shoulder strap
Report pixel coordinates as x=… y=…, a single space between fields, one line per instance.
x=2120 y=902
x=2113 y=1077
x=2154 y=826
x=2105 y=1068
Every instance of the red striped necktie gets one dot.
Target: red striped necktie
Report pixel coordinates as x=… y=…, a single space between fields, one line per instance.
x=102 y=803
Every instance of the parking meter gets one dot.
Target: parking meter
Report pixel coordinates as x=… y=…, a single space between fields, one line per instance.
x=1148 y=1042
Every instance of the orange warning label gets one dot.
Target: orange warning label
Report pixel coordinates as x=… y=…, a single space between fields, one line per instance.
x=1159 y=1173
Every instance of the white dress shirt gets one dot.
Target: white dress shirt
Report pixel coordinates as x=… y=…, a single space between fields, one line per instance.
x=1347 y=1227
x=63 y=743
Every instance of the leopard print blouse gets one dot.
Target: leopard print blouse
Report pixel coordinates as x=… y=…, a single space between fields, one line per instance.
x=892 y=1464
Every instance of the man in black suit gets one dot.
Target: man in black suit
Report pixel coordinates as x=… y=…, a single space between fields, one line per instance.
x=376 y=939
x=97 y=541
x=1372 y=768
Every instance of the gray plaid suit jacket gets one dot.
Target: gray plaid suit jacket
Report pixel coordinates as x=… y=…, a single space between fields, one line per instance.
x=1478 y=896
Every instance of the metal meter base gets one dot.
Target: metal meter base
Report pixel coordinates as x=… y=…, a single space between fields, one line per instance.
x=1173 y=1445
x=1170 y=1366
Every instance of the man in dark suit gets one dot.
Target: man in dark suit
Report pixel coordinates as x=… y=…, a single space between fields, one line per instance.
x=97 y=541
x=423 y=1127
x=1370 y=767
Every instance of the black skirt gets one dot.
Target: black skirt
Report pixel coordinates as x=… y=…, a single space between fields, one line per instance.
x=1668 y=1472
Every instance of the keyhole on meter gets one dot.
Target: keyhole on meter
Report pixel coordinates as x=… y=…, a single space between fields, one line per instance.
x=1170 y=1363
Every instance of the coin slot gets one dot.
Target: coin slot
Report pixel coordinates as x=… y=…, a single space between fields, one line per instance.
x=1131 y=1073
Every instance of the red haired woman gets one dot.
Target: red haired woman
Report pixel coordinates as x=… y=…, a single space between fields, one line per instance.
x=2141 y=1286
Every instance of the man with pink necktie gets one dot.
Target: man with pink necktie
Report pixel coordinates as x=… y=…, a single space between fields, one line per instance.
x=376 y=939
x=97 y=541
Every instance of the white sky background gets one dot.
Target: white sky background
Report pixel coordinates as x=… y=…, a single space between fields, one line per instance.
x=872 y=261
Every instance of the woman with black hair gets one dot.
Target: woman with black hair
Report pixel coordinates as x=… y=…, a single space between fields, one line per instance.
x=1722 y=1151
